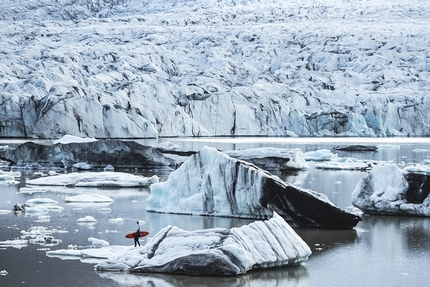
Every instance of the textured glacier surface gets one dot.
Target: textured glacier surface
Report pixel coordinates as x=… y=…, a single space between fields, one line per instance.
x=132 y=68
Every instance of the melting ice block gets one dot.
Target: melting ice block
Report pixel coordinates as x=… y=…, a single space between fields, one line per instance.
x=217 y=251
x=390 y=190
x=213 y=183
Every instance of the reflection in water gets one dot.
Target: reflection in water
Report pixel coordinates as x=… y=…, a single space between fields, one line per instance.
x=324 y=240
x=393 y=235
x=277 y=277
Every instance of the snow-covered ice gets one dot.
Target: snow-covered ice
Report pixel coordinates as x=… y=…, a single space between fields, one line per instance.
x=95 y=179
x=218 y=251
x=215 y=67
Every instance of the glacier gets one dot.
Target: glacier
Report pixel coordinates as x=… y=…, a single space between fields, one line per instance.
x=394 y=191
x=217 y=251
x=215 y=184
x=159 y=68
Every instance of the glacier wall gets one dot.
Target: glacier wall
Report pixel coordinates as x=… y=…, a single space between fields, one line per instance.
x=129 y=68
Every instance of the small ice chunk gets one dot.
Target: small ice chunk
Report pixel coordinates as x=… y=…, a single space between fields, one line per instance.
x=98 y=242
x=86 y=219
x=118 y=220
x=95 y=198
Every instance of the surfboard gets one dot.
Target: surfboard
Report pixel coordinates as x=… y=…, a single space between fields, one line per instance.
x=142 y=234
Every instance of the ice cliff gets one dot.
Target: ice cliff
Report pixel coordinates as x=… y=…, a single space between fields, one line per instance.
x=218 y=251
x=132 y=68
x=213 y=183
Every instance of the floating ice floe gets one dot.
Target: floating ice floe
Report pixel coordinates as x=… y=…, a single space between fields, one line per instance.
x=43 y=218
x=95 y=179
x=417 y=168
x=105 y=210
x=345 y=163
x=41 y=200
x=271 y=158
x=36 y=231
x=389 y=190
x=83 y=166
x=36 y=210
x=66 y=139
x=41 y=236
x=87 y=219
x=95 y=242
x=118 y=220
x=31 y=190
x=217 y=251
x=89 y=198
x=319 y=155
x=9 y=176
x=99 y=253
x=16 y=243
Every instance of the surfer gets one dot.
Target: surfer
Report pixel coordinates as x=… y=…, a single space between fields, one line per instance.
x=137 y=235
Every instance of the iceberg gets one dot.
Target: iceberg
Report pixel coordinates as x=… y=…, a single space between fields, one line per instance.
x=270 y=158
x=217 y=251
x=95 y=179
x=213 y=183
x=387 y=189
x=99 y=154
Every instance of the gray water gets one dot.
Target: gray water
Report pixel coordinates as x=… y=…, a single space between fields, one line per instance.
x=380 y=251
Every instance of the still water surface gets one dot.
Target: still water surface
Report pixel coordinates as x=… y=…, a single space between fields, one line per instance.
x=380 y=251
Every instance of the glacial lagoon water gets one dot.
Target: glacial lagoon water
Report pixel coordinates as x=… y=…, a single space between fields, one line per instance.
x=380 y=251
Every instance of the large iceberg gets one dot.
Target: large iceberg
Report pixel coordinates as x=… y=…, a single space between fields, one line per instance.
x=213 y=183
x=217 y=251
x=99 y=153
x=389 y=190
